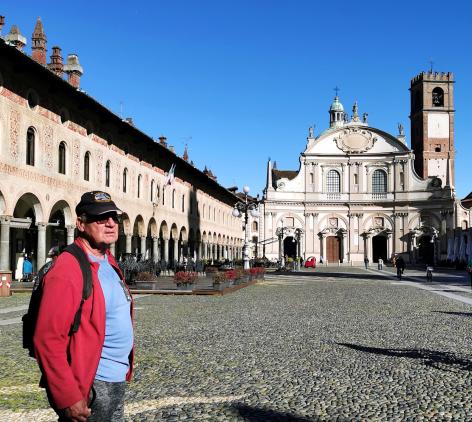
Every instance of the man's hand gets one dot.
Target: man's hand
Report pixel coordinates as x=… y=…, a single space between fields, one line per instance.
x=78 y=412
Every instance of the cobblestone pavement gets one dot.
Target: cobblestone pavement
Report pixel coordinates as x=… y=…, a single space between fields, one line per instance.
x=330 y=345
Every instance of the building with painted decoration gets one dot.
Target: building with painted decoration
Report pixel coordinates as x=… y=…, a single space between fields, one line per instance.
x=57 y=142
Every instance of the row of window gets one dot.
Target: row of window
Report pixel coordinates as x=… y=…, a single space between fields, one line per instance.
x=379 y=181
x=154 y=191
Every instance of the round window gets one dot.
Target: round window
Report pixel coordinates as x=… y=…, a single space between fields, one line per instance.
x=33 y=99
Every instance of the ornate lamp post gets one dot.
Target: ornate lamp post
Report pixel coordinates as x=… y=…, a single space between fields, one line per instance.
x=434 y=238
x=242 y=208
x=298 y=235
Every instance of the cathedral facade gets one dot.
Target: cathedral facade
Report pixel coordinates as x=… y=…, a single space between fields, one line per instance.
x=361 y=192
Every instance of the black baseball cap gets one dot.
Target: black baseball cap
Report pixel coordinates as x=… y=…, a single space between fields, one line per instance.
x=96 y=203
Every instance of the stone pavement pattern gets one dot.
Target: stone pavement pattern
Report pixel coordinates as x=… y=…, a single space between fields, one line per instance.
x=293 y=348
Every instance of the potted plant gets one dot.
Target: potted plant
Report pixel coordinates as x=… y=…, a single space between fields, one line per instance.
x=239 y=275
x=146 y=276
x=185 y=279
x=219 y=280
x=257 y=273
x=231 y=276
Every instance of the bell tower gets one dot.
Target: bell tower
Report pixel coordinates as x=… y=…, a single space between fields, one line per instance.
x=432 y=125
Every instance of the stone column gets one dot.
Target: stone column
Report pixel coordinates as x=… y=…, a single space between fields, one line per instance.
x=389 y=246
x=322 y=242
x=316 y=243
x=41 y=254
x=368 y=247
x=198 y=250
x=128 y=243
x=352 y=226
x=308 y=244
x=143 y=246
x=155 y=249
x=391 y=178
x=70 y=234
x=5 y=243
x=369 y=240
x=344 y=245
x=176 y=250
x=166 y=249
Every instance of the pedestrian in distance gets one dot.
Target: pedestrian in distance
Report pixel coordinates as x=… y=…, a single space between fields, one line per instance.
x=85 y=371
x=366 y=262
x=380 y=264
x=400 y=264
x=53 y=253
x=27 y=269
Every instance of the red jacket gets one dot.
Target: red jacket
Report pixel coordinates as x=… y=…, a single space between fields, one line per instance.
x=69 y=363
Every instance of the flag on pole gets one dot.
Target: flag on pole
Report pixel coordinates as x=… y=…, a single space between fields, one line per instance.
x=169 y=180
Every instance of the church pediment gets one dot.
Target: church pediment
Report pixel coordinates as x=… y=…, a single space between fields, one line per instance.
x=355 y=140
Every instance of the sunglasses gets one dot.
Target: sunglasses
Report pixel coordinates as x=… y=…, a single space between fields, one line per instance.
x=102 y=219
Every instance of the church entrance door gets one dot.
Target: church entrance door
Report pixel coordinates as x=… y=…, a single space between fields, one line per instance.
x=290 y=247
x=379 y=248
x=333 y=248
x=426 y=250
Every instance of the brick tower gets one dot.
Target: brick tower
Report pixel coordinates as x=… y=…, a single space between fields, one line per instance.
x=432 y=125
x=38 y=49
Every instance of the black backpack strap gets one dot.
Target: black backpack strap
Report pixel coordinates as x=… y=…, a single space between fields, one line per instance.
x=84 y=263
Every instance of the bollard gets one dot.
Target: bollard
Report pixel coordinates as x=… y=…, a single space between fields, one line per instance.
x=5 y=283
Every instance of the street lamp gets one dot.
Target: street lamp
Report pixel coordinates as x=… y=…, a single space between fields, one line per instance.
x=298 y=235
x=243 y=208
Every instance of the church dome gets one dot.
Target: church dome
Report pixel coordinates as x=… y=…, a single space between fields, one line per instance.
x=336 y=105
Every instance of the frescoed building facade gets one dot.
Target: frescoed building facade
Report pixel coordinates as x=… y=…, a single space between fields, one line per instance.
x=57 y=142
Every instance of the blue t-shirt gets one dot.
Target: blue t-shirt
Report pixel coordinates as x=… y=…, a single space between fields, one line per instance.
x=114 y=360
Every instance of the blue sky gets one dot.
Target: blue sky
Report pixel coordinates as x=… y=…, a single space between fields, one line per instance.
x=241 y=81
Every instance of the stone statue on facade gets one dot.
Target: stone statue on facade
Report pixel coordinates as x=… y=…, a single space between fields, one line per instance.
x=401 y=130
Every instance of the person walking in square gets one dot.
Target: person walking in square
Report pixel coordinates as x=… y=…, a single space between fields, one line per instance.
x=366 y=262
x=85 y=373
x=380 y=264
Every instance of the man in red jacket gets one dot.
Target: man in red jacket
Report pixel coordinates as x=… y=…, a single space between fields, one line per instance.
x=85 y=373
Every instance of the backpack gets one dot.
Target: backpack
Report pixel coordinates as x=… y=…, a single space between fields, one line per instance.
x=30 y=318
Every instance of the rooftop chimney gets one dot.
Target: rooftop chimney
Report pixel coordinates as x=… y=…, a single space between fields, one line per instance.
x=162 y=141
x=185 y=156
x=129 y=120
x=74 y=70
x=15 y=38
x=38 y=49
x=56 y=64
x=2 y=23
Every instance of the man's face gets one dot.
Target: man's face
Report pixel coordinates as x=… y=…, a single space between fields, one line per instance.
x=99 y=230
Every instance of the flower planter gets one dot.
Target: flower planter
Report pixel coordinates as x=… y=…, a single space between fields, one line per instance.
x=219 y=286
x=186 y=286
